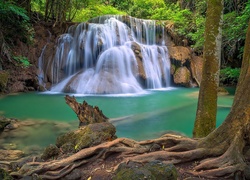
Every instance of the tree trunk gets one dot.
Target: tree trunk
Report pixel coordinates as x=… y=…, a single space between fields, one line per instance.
x=231 y=140
x=205 y=120
x=86 y=113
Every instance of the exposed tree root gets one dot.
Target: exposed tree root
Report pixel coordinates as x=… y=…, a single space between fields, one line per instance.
x=225 y=165
x=169 y=148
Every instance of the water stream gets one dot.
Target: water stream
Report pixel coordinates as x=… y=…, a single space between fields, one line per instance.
x=141 y=116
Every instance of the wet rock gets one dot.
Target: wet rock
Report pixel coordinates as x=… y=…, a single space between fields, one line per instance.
x=153 y=170
x=50 y=152
x=87 y=136
x=3 y=123
x=222 y=91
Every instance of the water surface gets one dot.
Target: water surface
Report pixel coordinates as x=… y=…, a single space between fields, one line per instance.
x=143 y=116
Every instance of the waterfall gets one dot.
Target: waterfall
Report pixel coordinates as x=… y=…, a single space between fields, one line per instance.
x=110 y=55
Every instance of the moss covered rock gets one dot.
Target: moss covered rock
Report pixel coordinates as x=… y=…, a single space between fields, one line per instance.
x=87 y=136
x=153 y=170
x=50 y=152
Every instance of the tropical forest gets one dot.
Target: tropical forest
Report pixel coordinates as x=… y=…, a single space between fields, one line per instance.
x=118 y=90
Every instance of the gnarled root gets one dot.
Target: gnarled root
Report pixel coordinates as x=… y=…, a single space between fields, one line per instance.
x=227 y=164
x=169 y=148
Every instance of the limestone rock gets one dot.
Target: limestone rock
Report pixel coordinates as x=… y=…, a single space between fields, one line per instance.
x=180 y=54
x=182 y=76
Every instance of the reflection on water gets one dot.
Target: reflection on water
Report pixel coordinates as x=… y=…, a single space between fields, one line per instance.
x=145 y=116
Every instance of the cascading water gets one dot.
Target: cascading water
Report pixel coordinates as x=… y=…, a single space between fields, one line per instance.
x=109 y=55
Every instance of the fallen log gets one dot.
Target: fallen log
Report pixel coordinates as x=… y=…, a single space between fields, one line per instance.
x=86 y=113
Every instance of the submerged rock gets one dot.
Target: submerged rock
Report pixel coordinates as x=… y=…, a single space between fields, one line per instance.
x=153 y=170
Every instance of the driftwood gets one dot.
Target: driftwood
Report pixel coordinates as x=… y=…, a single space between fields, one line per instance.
x=86 y=113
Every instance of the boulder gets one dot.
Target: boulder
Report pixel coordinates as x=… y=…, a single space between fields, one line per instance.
x=153 y=170
x=3 y=123
x=179 y=54
x=50 y=151
x=182 y=76
x=86 y=136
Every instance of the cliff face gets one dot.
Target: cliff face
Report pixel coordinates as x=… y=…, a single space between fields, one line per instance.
x=24 y=78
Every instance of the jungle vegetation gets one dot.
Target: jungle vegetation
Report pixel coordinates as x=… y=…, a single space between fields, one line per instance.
x=187 y=16
x=224 y=151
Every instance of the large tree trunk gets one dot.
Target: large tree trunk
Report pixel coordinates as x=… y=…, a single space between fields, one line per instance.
x=232 y=139
x=205 y=120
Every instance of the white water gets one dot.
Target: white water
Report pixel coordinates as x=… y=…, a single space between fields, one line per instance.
x=109 y=56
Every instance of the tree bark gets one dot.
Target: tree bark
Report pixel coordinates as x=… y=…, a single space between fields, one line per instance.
x=205 y=120
x=86 y=114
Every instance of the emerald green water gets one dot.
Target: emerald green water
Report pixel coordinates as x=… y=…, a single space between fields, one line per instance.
x=140 y=117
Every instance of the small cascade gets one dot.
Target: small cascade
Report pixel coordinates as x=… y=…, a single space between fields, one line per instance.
x=109 y=55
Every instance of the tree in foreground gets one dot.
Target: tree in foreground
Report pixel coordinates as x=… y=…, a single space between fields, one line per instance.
x=205 y=120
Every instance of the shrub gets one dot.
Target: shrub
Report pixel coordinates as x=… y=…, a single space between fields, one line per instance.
x=229 y=75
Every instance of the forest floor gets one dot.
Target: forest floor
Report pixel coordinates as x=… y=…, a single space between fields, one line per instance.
x=103 y=170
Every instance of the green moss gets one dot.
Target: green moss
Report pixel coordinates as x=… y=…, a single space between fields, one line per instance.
x=87 y=136
x=160 y=170
x=50 y=152
x=4 y=175
x=153 y=170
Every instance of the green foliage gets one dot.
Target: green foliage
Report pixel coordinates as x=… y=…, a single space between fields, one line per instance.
x=14 y=23
x=186 y=23
x=229 y=75
x=38 y=6
x=145 y=9
x=22 y=61
x=234 y=31
x=94 y=11
x=122 y=5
